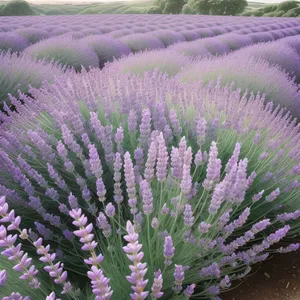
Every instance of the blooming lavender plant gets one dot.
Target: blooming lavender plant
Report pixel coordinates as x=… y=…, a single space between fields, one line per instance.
x=116 y=180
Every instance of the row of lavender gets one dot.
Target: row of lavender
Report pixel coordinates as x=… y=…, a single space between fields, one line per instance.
x=19 y=36
x=95 y=50
x=144 y=186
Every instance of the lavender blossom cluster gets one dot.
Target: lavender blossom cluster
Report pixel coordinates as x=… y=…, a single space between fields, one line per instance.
x=119 y=187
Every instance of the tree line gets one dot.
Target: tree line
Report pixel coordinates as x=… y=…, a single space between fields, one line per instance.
x=204 y=7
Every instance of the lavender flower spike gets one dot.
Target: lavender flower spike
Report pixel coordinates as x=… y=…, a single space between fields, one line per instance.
x=213 y=168
x=188 y=215
x=2 y=277
x=100 y=284
x=130 y=183
x=168 y=250
x=147 y=197
x=15 y=296
x=162 y=159
x=95 y=163
x=179 y=277
x=138 y=268
x=51 y=296
x=189 y=291
x=157 y=286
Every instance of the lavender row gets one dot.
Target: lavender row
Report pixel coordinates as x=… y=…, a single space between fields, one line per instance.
x=149 y=187
x=19 y=38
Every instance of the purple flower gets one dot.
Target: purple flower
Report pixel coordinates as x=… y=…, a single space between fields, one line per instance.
x=130 y=183
x=168 y=250
x=138 y=268
x=154 y=223
x=201 y=131
x=179 y=277
x=145 y=128
x=156 y=292
x=289 y=248
x=15 y=296
x=258 y=196
x=189 y=291
x=2 y=277
x=188 y=215
x=162 y=159
x=51 y=296
x=212 y=270
x=175 y=122
x=289 y=216
x=176 y=163
x=132 y=121
x=274 y=195
x=104 y=225
x=186 y=182
x=234 y=158
x=95 y=163
x=100 y=283
x=110 y=210
x=146 y=197
x=151 y=160
x=101 y=191
x=204 y=227
x=213 y=168
x=118 y=197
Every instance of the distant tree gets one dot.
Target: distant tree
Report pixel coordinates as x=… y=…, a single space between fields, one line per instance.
x=287 y=5
x=200 y=6
x=171 y=6
x=295 y=12
x=228 y=7
x=17 y=8
x=269 y=8
x=218 y=7
x=154 y=10
x=187 y=10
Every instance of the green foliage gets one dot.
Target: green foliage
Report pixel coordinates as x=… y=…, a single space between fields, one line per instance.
x=295 y=12
x=187 y=10
x=258 y=13
x=287 y=5
x=270 y=14
x=17 y=8
x=154 y=10
x=170 y=6
x=200 y=6
x=218 y=7
x=279 y=13
x=269 y=8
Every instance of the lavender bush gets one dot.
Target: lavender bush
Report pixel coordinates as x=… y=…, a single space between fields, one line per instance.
x=106 y=48
x=276 y=53
x=66 y=51
x=18 y=72
x=139 y=42
x=32 y=35
x=144 y=187
x=249 y=74
x=169 y=37
x=12 y=42
x=165 y=61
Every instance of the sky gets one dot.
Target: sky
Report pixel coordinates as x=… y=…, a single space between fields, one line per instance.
x=80 y=1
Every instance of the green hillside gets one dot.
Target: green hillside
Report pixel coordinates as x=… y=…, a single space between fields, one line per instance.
x=284 y=9
x=117 y=8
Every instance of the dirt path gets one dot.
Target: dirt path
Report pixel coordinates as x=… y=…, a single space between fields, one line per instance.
x=276 y=279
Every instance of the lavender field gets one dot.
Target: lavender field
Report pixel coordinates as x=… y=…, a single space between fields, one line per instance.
x=146 y=156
